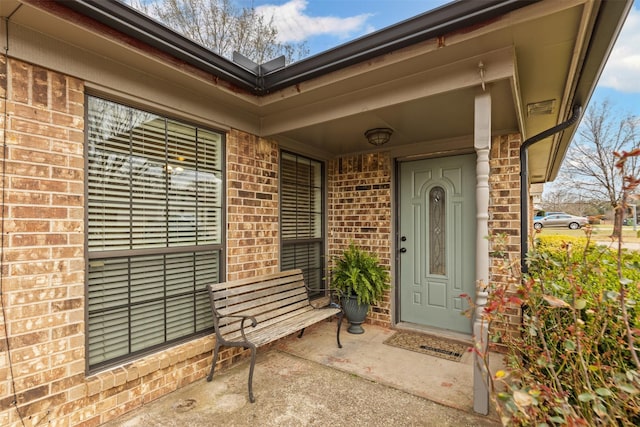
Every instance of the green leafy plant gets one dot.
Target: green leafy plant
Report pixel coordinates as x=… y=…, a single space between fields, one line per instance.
x=573 y=360
x=570 y=363
x=358 y=272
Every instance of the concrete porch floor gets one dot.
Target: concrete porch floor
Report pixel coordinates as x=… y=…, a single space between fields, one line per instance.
x=311 y=382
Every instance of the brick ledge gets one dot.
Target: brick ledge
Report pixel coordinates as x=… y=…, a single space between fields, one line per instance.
x=120 y=375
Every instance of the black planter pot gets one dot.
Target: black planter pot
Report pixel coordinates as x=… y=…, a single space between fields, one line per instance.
x=356 y=313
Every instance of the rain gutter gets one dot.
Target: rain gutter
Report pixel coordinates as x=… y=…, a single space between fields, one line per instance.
x=436 y=23
x=447 y=19
x=524 y=180
x=139 y=26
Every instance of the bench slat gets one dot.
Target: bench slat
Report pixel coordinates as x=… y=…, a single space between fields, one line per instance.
x=280 y=304
x=257 y=291
x=256 y=283
x=290 y=326
x=245 y=301
x=256 y=310
x=267 y=318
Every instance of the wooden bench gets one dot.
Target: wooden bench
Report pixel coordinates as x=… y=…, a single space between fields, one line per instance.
x=253 y=312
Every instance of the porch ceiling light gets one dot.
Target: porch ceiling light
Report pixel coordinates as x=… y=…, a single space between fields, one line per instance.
x=378 y=136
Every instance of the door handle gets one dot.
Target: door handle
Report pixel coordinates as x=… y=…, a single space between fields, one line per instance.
x=403 y=250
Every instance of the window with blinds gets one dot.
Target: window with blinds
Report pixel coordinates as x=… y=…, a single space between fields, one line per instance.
x=301 y=217
x=154 y=230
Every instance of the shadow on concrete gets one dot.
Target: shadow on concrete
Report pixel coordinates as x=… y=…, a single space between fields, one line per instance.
x=311 y=382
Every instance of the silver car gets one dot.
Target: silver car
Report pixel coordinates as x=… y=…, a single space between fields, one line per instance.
x=560 y=220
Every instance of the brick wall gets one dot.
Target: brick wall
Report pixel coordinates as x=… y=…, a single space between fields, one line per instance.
x=504 y=195
x=359 y=198
x=252 y=206
x=504 y=215
x=44 y=382
x=42 y=240
x=360 y=210
x=43 y=249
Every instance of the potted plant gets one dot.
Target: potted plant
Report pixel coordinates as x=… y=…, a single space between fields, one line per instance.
x=359 y=280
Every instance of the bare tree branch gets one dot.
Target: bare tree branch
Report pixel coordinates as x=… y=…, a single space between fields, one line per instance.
x=590 y=164
x=223 y=28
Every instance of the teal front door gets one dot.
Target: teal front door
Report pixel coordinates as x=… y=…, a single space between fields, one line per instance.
x=437 y=241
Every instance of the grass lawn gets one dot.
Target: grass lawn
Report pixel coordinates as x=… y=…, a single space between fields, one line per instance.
x=600 y=233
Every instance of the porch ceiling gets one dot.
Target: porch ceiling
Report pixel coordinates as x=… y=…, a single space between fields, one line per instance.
x=541 y=51
x=426 y=93
x=440 y=117
x=548 y=51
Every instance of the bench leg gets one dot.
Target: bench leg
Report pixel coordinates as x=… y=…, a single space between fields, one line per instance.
x=213 y=363
x=301 y=332
x=253 y=363
x=340 y=316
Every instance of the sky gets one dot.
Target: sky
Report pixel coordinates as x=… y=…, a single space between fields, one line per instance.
x=325 y=24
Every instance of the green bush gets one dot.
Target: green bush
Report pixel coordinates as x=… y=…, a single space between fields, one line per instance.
x=555 y=243
x=571 y=362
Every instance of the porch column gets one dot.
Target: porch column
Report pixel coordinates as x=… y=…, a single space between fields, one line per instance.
x=482 y=145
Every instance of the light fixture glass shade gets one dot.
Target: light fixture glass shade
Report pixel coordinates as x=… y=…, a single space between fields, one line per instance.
x=378 y=136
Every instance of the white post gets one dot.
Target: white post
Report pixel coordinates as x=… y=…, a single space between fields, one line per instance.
x=482 y=145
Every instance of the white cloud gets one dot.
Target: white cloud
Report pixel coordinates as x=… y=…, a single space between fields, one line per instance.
x=623 y=67
x=294 y=25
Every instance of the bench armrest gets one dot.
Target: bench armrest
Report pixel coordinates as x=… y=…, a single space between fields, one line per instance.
x=244 y=318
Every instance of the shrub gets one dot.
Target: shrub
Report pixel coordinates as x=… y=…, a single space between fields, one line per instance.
x=573 y=361
x=555 y=243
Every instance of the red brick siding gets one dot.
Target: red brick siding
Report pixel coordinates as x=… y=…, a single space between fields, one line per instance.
x=43 y=253
x=360 y=211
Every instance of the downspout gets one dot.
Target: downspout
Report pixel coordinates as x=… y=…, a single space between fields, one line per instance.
x=524 y=181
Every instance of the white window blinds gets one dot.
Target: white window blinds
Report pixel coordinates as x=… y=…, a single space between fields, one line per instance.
x=301 y=212
x=154 y=231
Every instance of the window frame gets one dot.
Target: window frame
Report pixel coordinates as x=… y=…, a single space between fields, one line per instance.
x=215 y=249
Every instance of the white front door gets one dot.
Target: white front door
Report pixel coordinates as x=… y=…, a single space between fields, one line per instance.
x=437 y=241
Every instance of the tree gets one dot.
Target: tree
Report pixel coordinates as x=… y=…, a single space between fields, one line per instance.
x=557 y=200
x=223 y=28
x=590 y=164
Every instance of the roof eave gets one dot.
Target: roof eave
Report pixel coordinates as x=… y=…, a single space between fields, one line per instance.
x=609 y=22
x=129 y=21
x=443 y=20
